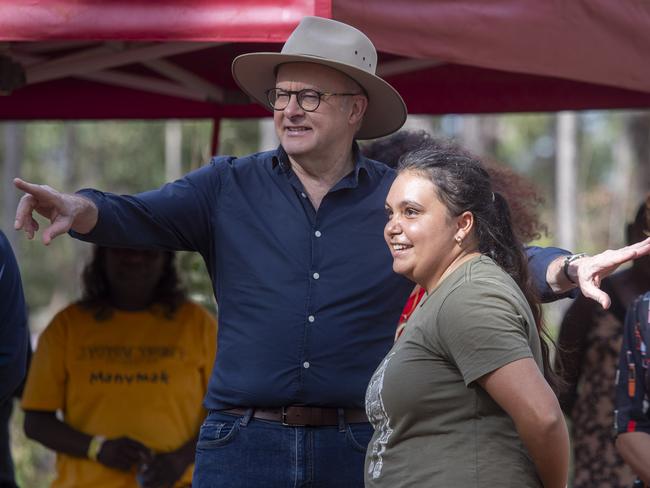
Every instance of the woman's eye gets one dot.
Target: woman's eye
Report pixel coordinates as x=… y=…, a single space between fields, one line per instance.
x=410 y=212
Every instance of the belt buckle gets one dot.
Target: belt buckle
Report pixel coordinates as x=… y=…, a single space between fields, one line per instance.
x=284 y=420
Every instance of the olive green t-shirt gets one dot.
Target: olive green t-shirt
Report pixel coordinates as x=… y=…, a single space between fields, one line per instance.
x=434 y=425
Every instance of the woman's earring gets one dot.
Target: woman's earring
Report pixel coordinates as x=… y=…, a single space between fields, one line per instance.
x=459 y=240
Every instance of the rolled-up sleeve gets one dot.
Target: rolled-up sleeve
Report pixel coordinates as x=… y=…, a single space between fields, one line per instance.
x=539 y=259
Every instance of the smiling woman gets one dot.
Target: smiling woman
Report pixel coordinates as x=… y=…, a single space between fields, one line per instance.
x=420 y=234
x=476 y=409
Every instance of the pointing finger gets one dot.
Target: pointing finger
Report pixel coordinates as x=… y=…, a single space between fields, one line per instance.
x=31 y=188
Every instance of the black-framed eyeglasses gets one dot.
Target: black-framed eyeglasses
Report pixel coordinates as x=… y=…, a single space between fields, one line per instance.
x=308 y=99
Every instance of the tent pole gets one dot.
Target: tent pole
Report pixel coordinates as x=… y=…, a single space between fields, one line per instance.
x=214 y=145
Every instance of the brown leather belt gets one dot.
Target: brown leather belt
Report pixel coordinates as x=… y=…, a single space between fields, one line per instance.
x=297 y=415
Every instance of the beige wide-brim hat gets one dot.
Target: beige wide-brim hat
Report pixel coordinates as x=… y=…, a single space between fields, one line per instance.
x=339 y=46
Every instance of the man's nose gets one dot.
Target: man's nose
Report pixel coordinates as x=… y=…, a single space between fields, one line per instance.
x=293 y=107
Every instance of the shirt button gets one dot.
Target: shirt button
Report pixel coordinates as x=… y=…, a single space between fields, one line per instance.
x=302 y=194
x=305 y=364
x=311 y=318
x=316 y=276
x=317 y=233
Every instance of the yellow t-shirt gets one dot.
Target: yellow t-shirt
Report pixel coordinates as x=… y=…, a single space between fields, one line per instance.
x=136 y=374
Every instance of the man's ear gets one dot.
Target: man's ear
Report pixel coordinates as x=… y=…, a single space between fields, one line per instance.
x=359 y=104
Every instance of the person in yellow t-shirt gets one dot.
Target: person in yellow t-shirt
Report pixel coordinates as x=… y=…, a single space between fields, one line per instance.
x=116 y=382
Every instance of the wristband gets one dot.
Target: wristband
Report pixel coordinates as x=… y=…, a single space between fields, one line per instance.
x=568 y=260
x=95 y=446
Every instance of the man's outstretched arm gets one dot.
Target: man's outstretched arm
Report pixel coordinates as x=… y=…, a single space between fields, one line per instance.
x=64 y=211
x=588 y=272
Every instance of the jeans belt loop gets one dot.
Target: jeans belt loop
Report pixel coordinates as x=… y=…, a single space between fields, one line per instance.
x=247 y=417
x=341 y=418
x=284 y=417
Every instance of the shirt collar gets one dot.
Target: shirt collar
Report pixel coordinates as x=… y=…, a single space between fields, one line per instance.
x=281 y=159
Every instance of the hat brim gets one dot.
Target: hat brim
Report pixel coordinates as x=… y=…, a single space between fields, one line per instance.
x=386 y=112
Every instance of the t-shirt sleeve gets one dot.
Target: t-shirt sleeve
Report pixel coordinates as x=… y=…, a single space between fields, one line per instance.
x=46 y=380
x=176 y=216
x=481 y=330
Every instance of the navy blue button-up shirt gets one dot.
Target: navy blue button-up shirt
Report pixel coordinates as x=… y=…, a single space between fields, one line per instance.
x=308 y=301
x=14 y=335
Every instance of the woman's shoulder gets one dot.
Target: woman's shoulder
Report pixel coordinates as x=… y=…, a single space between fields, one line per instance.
x=192 y=312
x=478 y=275
x=66 y=321
x=485 y=285
x=72 y=313
x=485 y=274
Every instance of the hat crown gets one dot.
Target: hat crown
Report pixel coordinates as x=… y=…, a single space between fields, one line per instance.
x=333 y=41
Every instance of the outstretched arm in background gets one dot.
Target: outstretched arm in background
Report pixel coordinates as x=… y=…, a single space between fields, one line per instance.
x=588 y=271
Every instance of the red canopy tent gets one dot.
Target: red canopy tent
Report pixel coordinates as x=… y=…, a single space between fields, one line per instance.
x=131 y=59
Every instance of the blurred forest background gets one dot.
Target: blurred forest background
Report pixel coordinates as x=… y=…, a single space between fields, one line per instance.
x=592 y=168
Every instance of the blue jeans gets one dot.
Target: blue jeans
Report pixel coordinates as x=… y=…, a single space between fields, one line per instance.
x=243 y=452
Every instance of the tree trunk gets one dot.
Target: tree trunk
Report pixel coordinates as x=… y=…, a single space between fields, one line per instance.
x=566 y=187
x=639 y=127
x=479 y=134
x=14 y=144
x=173 y=150
x=622 y=188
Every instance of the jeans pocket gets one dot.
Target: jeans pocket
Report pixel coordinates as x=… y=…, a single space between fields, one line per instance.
x=217 y=434
x=358 y=436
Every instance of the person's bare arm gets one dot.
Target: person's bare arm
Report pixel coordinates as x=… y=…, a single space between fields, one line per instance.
x=65 y=211
x=521 y=390
x=589 y=271
x=634 y=447
x=121 y=453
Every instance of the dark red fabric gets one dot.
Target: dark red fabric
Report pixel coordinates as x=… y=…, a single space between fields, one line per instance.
x=596 y=41
x=163 y=20
x=497 y=56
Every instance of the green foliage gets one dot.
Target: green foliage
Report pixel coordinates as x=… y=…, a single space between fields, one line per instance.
x=527 y=145
x=239 y=137
x=116 y=156
x=33 y=463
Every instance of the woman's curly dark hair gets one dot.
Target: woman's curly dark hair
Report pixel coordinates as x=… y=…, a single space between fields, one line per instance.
x=168 y=295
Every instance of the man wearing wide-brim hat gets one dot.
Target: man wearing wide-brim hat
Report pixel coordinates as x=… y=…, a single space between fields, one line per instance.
x=292 y=238
x=333 y=45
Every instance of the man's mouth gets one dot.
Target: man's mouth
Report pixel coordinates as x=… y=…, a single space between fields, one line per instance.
x=297 y=130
